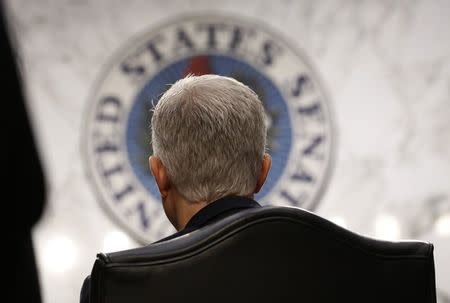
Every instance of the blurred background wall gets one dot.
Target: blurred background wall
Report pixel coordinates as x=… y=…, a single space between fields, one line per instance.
x=384 y=70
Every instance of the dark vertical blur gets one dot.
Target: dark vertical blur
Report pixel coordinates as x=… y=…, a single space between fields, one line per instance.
x=24 y=186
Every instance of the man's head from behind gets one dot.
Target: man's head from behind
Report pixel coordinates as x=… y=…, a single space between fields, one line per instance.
x=209 y=137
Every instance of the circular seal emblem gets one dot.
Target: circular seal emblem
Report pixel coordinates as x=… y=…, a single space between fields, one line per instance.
x=117 y=138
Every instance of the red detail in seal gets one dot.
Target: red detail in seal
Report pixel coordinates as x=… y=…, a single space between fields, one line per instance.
x=198 y=66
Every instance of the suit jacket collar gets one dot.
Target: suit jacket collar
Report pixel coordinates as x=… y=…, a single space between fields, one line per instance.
x=219 y=209
x=214 y=211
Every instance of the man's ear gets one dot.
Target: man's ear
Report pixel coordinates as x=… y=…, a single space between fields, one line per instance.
x=159 y=172
x=265 y=168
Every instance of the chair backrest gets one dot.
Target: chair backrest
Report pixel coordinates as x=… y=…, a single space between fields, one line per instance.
x=269 y=254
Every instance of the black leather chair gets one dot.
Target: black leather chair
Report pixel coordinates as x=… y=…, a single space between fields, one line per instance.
x=269 y=254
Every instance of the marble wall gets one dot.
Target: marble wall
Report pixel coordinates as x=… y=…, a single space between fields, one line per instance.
x=385 y=65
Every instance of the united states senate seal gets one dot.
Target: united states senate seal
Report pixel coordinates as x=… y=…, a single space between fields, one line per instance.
x=116 y=136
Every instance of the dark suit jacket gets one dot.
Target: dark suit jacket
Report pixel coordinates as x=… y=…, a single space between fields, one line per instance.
x=211 y=213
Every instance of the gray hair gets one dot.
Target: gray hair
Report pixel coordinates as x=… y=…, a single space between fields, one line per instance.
x=209 y=132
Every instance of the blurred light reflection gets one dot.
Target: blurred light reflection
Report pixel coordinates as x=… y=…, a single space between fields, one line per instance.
x=442 y=225
x=115 y=241
x=387 y=227
x=59 y=254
